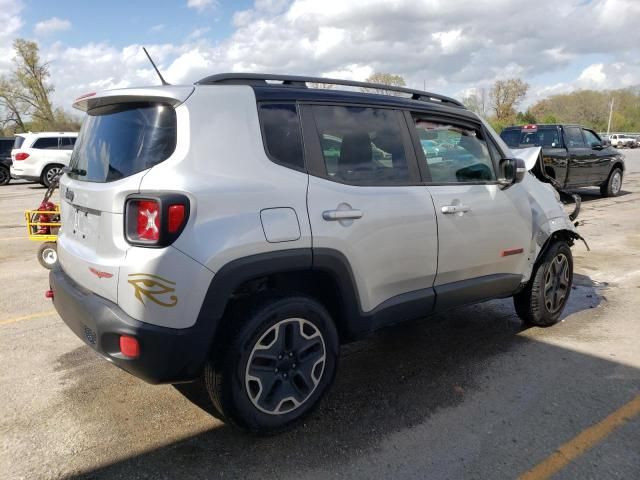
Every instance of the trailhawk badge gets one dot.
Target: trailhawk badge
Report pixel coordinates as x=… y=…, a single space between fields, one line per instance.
x=154 y=288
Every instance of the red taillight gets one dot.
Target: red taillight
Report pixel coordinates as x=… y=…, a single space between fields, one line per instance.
x=48 y=294
x=22 y=156
x=176 y=217
x=157 y=220
x=148 y=220
x=129 y=346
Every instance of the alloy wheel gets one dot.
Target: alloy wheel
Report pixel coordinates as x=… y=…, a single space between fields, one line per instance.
x=616 y=182
x=52 y=173
x=50 y=256
x=556 y=283
x=285 y=366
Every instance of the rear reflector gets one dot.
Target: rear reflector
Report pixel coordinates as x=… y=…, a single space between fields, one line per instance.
x=176 y=217
x=48 y=294
x=22 y=156
x=129 y=346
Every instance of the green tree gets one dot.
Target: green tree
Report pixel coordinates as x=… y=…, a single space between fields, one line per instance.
x=25 y=102
x=591 y=109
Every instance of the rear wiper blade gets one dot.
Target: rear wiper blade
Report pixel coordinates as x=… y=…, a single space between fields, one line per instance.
x=77 y=171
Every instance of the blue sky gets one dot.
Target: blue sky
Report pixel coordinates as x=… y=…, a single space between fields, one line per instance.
x=454 y=46
x=125 y=22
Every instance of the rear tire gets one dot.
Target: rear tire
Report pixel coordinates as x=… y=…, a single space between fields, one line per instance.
x=49 y=173
x=613 y=185
x=542 y=301
x=5 y=175
x=48 y=255
x=275 y=365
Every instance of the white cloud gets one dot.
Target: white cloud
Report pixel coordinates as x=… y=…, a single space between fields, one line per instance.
x=53 y=24
x=198 y=33
x=449 y=46
x=593 y=75
x=11 y=24
x=157 y=28
x=202 y=5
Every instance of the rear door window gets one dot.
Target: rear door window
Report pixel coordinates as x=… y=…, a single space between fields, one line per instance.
x=362 y=145
x=573 y=137
x=46 y=143
x=121 y=140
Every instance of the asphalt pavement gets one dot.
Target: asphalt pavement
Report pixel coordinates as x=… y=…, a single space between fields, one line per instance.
x=469 y=394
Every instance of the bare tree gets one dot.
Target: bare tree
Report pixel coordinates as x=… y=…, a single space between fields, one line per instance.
x=12 y=109
x=505 y=96
x=478 y=102
x=321 y=86
x=384 y=79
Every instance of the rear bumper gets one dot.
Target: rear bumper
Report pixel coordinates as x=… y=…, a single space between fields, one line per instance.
x=167 y=355
x=24 y=173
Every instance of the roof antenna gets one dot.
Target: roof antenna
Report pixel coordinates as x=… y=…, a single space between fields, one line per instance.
x=164 y=82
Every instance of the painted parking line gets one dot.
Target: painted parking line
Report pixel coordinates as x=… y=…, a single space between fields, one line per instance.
x=586 y=440
x=33 y=316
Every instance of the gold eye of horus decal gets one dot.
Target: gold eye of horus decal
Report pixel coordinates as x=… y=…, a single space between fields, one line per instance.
x=152 y=287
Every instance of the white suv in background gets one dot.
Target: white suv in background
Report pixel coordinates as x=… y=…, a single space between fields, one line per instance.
x=40 y=156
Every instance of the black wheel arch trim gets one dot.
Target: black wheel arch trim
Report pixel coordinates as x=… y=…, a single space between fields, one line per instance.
x=354 y=322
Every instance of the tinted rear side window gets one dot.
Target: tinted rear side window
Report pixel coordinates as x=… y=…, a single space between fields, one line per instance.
x=5 y=147
x=281 y=128
x=46 y=143
x=122 y=140
x=17 y=143
x=511 y=137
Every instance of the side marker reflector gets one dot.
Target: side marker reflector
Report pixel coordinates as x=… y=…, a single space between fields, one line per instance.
x=513 y=251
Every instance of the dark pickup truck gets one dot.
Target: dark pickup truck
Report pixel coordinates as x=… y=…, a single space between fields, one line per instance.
x=572 y=156
x=6 y=144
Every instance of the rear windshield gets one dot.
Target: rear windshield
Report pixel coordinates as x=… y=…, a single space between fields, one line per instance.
x=118 y=141
x=541 y=137
x=17 y=143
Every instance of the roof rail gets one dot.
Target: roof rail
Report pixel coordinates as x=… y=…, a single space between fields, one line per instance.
x=260 y=79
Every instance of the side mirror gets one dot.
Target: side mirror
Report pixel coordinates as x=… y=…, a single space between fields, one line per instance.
x=596 y=145
x=512 y=171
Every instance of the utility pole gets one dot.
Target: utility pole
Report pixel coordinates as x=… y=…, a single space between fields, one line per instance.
x=610 y=115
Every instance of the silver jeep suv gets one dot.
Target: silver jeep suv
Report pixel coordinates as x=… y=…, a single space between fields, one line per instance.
x=237 y=231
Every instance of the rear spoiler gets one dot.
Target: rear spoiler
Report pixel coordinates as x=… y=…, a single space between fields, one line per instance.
x=173 y=95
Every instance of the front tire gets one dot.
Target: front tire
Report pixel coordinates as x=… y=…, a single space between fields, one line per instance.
x=542 y=301
x=279 y=361
x=613 y=185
